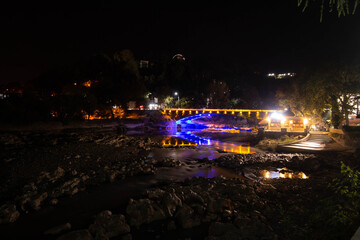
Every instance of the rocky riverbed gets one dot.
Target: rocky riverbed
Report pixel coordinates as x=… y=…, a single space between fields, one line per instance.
x=39 y=170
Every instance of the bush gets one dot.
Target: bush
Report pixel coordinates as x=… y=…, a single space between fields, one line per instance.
x=340 y=211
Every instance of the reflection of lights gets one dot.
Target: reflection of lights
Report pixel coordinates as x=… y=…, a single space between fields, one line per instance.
x=283 y=173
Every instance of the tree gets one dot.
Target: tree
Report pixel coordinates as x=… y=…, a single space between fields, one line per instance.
x=315 y=89
x=343 y=86
x=342 y=7
x=219 y=95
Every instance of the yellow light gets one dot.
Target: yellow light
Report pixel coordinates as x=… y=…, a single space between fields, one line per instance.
x=267 y=174
x=225 y=112
x=217 y=112
x=197 y=112
x=183 y=112
x=232 y=112
x=190 y=112
x=210 y=112
x=291 y=121
x=268 y=119
x=305 y=121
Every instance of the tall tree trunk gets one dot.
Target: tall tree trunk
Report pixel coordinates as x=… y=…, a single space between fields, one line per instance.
x=345 y=108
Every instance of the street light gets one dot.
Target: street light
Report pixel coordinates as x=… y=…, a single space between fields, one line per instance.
x=178 y=99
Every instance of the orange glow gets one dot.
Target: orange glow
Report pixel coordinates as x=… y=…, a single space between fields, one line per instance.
x=115 y=112
x=54 y=114
x=87 y=83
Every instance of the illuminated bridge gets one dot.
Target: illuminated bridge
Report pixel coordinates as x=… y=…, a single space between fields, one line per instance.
x=177 y=113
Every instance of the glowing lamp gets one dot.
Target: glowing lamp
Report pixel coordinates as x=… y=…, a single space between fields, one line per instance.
x=305 y=121
x=277 y=116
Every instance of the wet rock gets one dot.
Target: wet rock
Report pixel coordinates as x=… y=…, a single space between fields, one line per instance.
x=170 y=203
x=155 y=194
x=107 y=225
x=76 y=235
x=58 y=229
x=68 y=188
x=143 y=211
x=36 y=203
x=8 y=213
x=186 y=218
x=219 y=205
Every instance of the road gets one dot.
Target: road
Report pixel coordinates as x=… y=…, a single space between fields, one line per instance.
x=316 y=142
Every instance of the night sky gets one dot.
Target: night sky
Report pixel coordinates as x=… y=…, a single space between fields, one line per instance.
x=275 y=36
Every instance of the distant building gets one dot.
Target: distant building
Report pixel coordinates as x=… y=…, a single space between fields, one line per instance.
x=144 y=64
x=281 y=75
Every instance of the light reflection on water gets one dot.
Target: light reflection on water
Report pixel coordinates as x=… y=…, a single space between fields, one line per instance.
x=187 y=139
x=283 y=173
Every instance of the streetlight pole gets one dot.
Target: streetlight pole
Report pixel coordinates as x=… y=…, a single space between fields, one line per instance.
x=178 y=99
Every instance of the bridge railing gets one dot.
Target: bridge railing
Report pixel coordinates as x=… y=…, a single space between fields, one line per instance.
x=242 y=112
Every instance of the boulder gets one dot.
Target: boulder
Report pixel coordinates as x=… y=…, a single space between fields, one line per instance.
x=186 y=218
x=108 y=226
x=143 y=211
x=170 y=203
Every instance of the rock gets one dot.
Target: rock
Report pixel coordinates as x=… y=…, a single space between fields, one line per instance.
x=8 y=213
x=155 y=194
x=219 y=205
x=107 y=225
x=58 y=229
x=70 y=187
x=58 y=173
x=54 y=201
x=143 y=211
x=76 y=235
x=36 y=203
x=170 y=203
x=186 y=218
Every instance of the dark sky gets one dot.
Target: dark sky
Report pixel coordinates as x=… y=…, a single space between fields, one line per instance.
x=275 y=36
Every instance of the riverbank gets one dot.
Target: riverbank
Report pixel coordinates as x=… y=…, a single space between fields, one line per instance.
x=43 y=171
